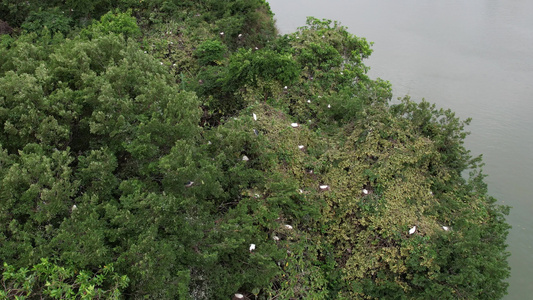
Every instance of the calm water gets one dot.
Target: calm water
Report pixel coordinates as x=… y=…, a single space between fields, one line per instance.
x=475 y=57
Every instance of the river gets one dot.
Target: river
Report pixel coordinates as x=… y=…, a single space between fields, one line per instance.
x=475 y=57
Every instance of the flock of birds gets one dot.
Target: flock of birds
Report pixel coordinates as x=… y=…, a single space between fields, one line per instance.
x=322 y=187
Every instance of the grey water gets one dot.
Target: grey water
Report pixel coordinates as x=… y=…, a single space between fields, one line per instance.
x=474 y=57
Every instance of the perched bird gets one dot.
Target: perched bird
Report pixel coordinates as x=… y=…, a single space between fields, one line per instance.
x=252 y=247
x=238 y=296
x=324 y=187
x=295 y=125
x=255 y=116
x=301 y=191
x=245 y=158
x=288 y=227
x=365 y=191
x=308 y=101
x=412 y=230
x=275 y=238
x=222 y=33
x=74 y=207
x=301 y=147
x=446 y=228
x=329 y=105
x=189 y=184
x=240 y=35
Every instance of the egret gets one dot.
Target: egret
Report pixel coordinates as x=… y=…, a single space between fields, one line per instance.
x=365 y=191
x=294 y=125
x=252 y=247
x=329 y=105
x=285 y=87
x=74 y=207
x=446 y=228
x=161 y=63
x=288 y=227
x=255 y=116
x=240 y=35
x=245 y=158
x=222 y=33
x=308 y=101
x=412 y=230
x=301 y=191
x=301 y=147
x=238 y=296
x=324 y=187
x=275 y=238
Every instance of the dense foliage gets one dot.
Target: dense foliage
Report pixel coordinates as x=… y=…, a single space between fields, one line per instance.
x=184 y=150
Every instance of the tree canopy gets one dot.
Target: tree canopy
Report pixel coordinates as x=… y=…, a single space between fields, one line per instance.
x=186 y=150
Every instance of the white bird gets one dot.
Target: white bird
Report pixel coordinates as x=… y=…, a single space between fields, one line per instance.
x=329 y=105
x=308 y=101
x=189 y=184
x=255 y=116
x=222 y=33
x=365 y=191
x=275 y=238
x=245 y=158
x=209 y=142
x=446 y=228
x=285 y=87
x=257 y=196
x=252 y=247
x=74 y=207
x=294 y=125
x=324 y=187
x=301 y=191
x=240 y=35
x=288 y=227
x=161 y=63
x=412 y=230
x=239 y=296
x=301 y=147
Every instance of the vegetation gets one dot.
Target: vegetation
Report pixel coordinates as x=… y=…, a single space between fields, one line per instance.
x=184 y=150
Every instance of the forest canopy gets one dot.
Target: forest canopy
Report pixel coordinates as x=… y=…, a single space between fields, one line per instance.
x=187 y=150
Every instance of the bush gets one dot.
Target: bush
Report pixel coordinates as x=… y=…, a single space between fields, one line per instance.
x=210 y=52
x=52 y=18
